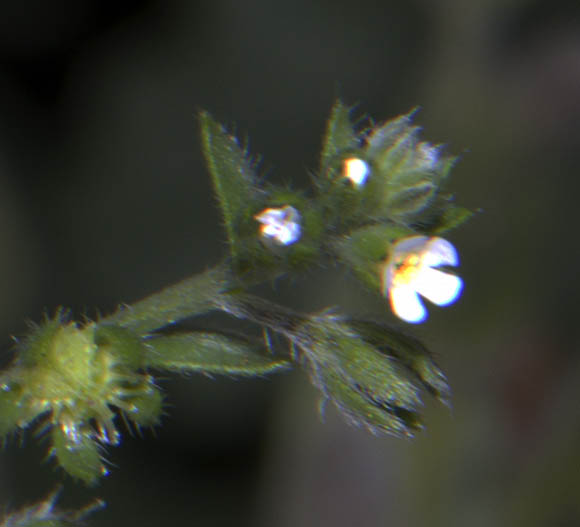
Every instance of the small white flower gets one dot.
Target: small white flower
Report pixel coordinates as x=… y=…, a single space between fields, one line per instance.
x=282 y=225
x=411 y=270
x=356 y=170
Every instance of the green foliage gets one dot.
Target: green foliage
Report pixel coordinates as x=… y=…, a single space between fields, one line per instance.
x=371 y=388
x=406 y=350
x=340 y=138
x=75 y=380
x=234 y=177
x=212 y=353
x=72 y=377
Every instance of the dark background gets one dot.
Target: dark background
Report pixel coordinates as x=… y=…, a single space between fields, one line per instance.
x=104 y=198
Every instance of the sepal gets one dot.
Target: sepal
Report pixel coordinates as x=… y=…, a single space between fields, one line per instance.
x=409 y=351
x=364 y=250
x=370 y=387
x=408 y=173
x=442 y=217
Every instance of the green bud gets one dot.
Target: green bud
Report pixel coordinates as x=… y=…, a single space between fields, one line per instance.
x=369 y=387
x=396 y=157
x=410 y=200
x=73 y=376
x=408 y=351
x=382 y=139
x=443 y=216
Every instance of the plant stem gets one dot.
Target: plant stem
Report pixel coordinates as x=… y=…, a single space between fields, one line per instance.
x=193 y=296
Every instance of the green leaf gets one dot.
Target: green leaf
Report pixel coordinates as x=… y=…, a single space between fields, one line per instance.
x=80 y=457
x=212 y=353
x=233 y=175
x=340 y=136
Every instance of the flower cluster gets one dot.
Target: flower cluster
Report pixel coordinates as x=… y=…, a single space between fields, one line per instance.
x=378 y=207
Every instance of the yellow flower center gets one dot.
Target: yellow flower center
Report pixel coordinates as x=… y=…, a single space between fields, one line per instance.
x=407 y=270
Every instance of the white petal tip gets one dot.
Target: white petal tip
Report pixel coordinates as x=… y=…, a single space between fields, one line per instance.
x=406 y=305
x=439 y=287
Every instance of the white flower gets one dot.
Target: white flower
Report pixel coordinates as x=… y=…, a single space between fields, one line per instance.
x=411 y=270
x=356 y=170
x=282 y=225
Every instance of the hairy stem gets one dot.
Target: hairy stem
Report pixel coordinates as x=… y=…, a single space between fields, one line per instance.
x=193 y=296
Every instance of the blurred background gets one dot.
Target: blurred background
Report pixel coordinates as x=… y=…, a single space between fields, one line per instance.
x=104 y=198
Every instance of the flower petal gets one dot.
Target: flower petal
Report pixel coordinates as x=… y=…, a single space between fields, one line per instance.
x=439 y=252
x=288 y=234
x=438 y=287
x=281 y=225
x=356 y=170
x=405 y=304
x=411 y=244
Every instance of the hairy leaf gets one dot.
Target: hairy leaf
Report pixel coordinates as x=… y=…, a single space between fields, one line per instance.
x=212 y=353
x=340 y=136
x=233 y=175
